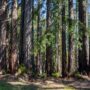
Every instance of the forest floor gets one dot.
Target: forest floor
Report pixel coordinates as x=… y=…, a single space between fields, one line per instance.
x=9 y=82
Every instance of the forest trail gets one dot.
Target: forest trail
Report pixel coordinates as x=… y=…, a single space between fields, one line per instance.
x=47 y=84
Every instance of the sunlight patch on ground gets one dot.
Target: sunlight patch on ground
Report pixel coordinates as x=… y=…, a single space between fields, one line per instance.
x=17 y=83
x=46 y=85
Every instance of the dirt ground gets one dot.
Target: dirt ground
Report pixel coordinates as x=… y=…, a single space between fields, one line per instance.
x=46 y=84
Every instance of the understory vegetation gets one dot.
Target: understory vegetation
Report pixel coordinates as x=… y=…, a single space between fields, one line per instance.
x=45 y=38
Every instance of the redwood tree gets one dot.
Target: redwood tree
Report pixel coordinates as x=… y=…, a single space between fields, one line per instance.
x=39 y=32
x=71 y=59
x=64 y=55
x=84 y=51
x=27 y=33
x=48 y=47
x=3 y=27
x=13 y=41
x=21 y=50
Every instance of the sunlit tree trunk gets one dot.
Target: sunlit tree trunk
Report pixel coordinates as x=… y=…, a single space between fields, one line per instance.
x=13 y=41
x=39 y=32
x=71 y=59
x=58 y=40
x=58 y=52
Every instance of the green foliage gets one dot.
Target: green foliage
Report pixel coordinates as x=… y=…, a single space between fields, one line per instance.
x=45 y=39
x=56 y=74
x=77 y=74
x=22 y=69
x=69 y=88
x=44 y=75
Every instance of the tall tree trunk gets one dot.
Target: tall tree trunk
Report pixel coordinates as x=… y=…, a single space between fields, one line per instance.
x=77 y=39
x=3 y=25
x=33 y=58
x=71 y=60
x=48 y=48
x=39 y=56
x=13 y=41
x=58 y=41
x=89 y=56
x=21 y=51
x=27 y=35
x=64 y=56
x=84 y=51
x=58 y=58
x=8 y=35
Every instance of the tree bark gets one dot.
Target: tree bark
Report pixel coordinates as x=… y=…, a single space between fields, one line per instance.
x=64 y=55
x=84 y=51
x=3 y=26
x=48 y=48
x=71 y=59
x=27 y=35
x=21 y=50
x=33 y=58
x=13 y=42
x=39 y=32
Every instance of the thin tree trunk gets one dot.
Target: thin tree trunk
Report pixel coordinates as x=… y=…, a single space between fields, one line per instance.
x=48 y=48
x=64 y=56
x=39 y=56
x=33 y=59
x=71 y=60
x=21 y=51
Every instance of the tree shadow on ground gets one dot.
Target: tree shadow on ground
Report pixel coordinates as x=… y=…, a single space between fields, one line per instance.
x=78 y=84
x=67 y=84
x=6 y=86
